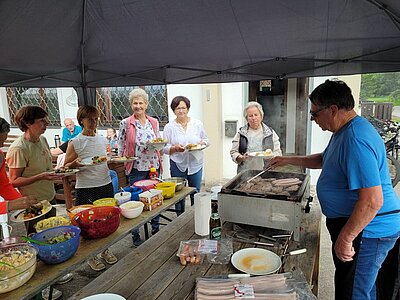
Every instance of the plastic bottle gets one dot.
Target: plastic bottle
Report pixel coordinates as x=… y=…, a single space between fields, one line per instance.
x=215 y=222
x=153 y=173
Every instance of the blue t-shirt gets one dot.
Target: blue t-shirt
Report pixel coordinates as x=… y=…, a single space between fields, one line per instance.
x=355 y=158
x=67 y=135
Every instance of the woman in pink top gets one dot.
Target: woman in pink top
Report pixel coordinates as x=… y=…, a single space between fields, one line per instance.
x=135 y=134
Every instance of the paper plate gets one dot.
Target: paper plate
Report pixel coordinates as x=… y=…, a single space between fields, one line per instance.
x=89 y=162
x=198 y=148
x=17 y=216
x=261 y=154
x=122 y=159
x=69 y=173
x=256 y=261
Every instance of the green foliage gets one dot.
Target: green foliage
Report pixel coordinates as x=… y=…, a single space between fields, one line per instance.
x=381 y=86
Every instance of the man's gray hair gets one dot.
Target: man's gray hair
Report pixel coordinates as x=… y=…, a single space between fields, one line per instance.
x=4 y=126
x=138 y=92
x=253 y=104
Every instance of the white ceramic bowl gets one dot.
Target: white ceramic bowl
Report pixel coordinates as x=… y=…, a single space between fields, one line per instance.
x=131 y=209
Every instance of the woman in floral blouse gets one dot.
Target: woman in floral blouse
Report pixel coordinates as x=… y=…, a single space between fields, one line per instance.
x=135 y=134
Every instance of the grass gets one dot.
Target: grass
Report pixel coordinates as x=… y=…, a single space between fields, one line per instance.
x=395 y=102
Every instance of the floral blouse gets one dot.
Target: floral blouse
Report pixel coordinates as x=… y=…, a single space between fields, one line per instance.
x=147 y=157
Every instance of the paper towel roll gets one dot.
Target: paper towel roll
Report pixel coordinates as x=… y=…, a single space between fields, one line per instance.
x=202 y=213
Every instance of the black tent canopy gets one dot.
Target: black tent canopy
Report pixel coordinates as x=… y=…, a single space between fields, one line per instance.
x=92 y=43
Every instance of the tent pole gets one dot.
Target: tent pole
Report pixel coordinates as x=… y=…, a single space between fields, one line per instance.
x=83 y=71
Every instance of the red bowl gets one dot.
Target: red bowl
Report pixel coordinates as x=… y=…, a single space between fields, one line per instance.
x=98 y=222
x=146 y=184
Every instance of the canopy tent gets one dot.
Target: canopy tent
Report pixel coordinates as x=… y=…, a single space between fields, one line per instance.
x=92 y=43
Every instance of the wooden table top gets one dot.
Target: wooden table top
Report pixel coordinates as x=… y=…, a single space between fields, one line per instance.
x=153 y=271
x=49 y=274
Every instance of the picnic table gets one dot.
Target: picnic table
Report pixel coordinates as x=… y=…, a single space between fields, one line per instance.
x=153 y=271
x=46 y=275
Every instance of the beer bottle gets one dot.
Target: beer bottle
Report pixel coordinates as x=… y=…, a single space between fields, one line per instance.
x=215 y=222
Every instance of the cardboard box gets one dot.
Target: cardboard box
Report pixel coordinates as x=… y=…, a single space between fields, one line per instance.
x=150 y=196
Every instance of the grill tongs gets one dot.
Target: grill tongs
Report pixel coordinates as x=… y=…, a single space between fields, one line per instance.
x=262 y=172
x=248 y=241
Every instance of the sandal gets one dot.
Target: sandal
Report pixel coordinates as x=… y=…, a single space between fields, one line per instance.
x=109 y=257
x=66 y=278
x=96 y=264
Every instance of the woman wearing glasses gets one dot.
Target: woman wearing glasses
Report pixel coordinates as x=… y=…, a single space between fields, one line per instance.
x=255 y=136
x=181 y=133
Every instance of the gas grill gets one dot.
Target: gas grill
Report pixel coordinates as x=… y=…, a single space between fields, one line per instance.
x=265 y=209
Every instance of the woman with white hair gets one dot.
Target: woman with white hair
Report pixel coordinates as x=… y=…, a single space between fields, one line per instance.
x=135 y=134
x=255 y=136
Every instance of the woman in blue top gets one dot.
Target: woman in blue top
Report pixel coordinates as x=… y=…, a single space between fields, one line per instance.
x=354 y=189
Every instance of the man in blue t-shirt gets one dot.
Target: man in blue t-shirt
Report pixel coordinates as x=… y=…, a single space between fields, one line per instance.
x=361 y=207
x=70 y=131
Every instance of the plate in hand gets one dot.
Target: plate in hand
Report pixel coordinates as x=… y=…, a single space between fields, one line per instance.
x=65 y=172
x=122 y=159
x=18 y=216
x=196 y=148
x=89 y=161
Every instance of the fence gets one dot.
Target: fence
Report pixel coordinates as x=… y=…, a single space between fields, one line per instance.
x=379 y=110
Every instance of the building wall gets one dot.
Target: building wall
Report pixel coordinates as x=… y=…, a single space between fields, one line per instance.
x=213 y=104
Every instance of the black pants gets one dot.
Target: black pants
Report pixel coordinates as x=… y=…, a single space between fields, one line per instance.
x=344 y=273
x=89 y=195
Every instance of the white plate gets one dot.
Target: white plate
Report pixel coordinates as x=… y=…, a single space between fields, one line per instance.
x=256 y=261
x=89 y=162
x=122 y=159
x=158 y=145
x=17 y=216
x=71 y=172
x=198 y=148
x=260 y=154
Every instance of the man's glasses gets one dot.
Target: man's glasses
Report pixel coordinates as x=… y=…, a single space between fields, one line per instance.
x=314 y=114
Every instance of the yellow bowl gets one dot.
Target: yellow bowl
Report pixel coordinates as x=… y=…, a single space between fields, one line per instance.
x=50 y=223
x=105 y=202
x=167 y=188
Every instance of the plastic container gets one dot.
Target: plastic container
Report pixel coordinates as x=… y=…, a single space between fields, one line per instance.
x=51 y=222
x=98 y=221
x=167 y=188
x=105 y=202
x=60 y=252
x=153 y=174
x=135 y=191
x=13 y=278
x=122 y=197
x=131 y=209
x=146 y=184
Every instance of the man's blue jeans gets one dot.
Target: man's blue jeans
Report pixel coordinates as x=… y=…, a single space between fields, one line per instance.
x=134 y=176
x=194 y=180
x=355 y=280
x=370 y=258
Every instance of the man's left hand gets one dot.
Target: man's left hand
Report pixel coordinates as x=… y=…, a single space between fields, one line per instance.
x=344 y=250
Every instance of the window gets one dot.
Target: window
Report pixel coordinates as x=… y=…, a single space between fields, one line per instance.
x=113 y=103
x=43 y=97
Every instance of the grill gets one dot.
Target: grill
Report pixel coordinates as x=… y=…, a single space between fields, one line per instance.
x=265 y=209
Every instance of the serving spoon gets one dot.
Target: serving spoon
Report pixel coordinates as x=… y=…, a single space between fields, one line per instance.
x=40 y=243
